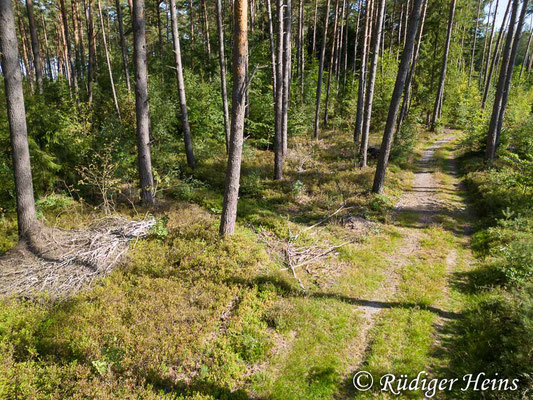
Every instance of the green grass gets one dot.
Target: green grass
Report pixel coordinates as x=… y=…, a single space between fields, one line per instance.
x=196 y=316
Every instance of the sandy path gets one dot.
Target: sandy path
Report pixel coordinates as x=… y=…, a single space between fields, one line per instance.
x=422 y=202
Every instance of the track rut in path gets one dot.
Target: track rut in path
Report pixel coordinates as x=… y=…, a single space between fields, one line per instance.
x=420 y=205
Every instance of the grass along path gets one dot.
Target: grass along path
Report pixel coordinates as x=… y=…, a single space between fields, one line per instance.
x=389 y=310
x=410 y=329
x=197 y=317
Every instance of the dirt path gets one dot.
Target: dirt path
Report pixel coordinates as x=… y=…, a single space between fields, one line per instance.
x=416 y=210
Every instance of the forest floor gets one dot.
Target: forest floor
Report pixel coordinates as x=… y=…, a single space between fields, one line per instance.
x=320 y=281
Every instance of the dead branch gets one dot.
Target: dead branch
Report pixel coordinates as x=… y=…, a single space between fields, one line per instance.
x=71 y=260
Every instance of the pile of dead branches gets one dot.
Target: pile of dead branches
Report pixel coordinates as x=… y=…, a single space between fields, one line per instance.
x=66 y=261
x=299 y=256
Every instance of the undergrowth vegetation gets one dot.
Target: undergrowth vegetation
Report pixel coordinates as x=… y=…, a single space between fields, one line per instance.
x=499 y=314
x=195 y=315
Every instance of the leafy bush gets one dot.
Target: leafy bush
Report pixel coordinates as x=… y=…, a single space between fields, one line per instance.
x=405 y=141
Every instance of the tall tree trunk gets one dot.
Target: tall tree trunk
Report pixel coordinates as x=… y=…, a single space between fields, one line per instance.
x=28 y=69
x=123 y=46
x=472 y=57
x=356 y=41
x=406 y=20
x=278 y=104
x=491 y=39
x=494 y=59
x=159 y=26
x=272 y=48
x=346 y=41
x=504 y=80
x=287 y=69
x=299 y=38
x=191 y=20
x=483 y=55
x=89 y=7
x=530 y=64
x=510 y=72
x=16 y=114
x=440 y=91
x=206 y=27
x=75 y=30
x=142 y=108
x=181 y=86
x=362 y=76
x=313 y=51
x=321 y=69
x=81 y=48
x=403 y=69
x=46 y=49
x=62 y=43
x=407 y=89
x=371 y=83
x=233 y=172
x=35 y=47
x=340 y=45
x=331 y=67
x=108 y=60
x=528 y=52
x=301 y=46
x=69 y=55
x=222 y=62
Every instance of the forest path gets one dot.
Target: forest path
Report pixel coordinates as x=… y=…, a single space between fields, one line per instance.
x=405 y=322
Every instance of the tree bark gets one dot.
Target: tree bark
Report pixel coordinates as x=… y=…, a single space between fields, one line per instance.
x=222 y=62
x=28 y=69
x=123 y=47
x=321 y=69
x=46 y=49
x=287 y=69
x=369 y=99
x=472 y=57
x=313 y=51
x=272 y=48
x=16 y=114
x=510 y=72
x=527 y=55
x=504 y=81
x=403 y=69
x=338 y=58
x=356 y=41
x=35 y=47
x=206 y=26
x=440 y=91
x=331 y=66
x=346 y=41
x=79 y=30
x=142 y=107
x=278 y=104
x=233 y=172
x=181 y=86
x=494 y=59
x=69 y=55
x=362 y=76
x=108 y=60
x=407 y=90
x=491 y=39
x=483 y=55
x=301 y=46
x=75 y=30
x=159 y=26
x=88 y=5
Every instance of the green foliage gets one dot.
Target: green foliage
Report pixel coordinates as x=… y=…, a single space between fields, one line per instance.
x=493 y=336
x=405 y=141
x=494 y=328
